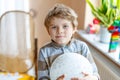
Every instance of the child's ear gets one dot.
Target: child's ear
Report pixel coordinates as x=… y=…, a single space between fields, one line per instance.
x=48 y=31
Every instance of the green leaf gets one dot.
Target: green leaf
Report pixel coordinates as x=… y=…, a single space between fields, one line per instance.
x=91 y=5
x=118 y=4
x=107 y=12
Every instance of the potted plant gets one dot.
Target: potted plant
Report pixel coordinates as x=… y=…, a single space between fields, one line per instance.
x=105 y=14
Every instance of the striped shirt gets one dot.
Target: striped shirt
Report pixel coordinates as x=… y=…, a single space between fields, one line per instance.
x=49 y=52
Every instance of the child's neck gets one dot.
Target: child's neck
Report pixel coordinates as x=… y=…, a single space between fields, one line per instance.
x=61 y=45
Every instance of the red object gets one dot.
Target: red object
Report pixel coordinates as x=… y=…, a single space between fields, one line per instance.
x=115 y=33
x=111 y=28
x=96 y=21
x=90 y=29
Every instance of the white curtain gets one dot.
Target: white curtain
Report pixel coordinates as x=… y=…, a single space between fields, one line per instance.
x=7 y=5
x=13 y=24
x=16 y=36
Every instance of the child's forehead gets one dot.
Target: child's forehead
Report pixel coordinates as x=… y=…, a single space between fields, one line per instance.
x=59 y=19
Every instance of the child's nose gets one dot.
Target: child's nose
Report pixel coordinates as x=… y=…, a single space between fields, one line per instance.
x=60 y=30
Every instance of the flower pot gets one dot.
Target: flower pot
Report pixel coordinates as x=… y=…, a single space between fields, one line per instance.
x=105 y=35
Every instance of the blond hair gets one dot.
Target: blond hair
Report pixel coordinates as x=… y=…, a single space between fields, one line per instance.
x=61 y=11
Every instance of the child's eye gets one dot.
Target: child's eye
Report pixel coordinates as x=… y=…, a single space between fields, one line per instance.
x=53 y=27
x=65 y=26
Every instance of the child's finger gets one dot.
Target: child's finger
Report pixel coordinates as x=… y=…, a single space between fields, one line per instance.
x=85 y=74
x=74 y=78
x=61 y=77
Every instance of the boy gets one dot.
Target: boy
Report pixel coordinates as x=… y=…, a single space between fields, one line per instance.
x=61 y=23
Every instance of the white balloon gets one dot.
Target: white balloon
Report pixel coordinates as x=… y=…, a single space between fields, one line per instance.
x=71 y=65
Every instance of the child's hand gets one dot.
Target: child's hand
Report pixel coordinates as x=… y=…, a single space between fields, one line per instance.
x=86 y=77
x=61 y=77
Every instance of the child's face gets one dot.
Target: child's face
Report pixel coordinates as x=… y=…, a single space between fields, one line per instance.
x=61 y=31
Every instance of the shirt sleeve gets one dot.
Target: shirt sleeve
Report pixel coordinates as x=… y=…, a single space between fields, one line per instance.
x=88 y=55
x=95 y=70
x=43 y=70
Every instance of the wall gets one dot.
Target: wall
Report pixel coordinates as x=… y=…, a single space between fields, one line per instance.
x=41 y=8
x=88 y=14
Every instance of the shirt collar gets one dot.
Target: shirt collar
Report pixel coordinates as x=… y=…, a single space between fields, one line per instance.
x=54 y=44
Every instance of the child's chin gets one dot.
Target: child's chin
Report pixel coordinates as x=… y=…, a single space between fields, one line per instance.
x=60 y=43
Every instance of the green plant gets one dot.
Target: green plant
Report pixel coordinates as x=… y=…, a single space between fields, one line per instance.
x=107 y=12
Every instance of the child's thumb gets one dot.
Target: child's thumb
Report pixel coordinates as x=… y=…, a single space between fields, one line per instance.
x=61 y=77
